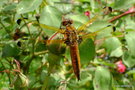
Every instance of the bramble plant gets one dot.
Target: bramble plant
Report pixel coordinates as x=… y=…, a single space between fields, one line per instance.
x=34 y=57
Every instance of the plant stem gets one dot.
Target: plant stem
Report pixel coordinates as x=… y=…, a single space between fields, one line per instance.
x=119 y=16
x=5 y=28
x=40 y=53
x=27 y=65
x=26 y=23
x=26 y=68
x=26 y=26
x=8 y=74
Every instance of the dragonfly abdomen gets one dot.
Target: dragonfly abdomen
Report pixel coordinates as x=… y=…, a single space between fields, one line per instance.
x=74 y=52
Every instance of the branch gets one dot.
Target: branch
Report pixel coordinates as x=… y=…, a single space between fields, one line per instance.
x=121 y=15
x=5 y=28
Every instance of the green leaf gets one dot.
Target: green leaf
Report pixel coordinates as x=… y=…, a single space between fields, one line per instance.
x=87 y=50
x=130 y=39
x=49 y=83
x=2 y=2
x=102 y=79
x=52 y=17
x=130 y=22
x=20 y=81
x=124 y=4
x=54 y=59
x=131 y=72
x=10 y=50
x=128 y=59
x=84 y=0
x=54 y=62
x=43 y=75
x=40 y=47
x=64 y=7
x=78 y=19
x=98 y=25
x=28 y=5
x=101 y=28
x=24 y=80
x=56 y=47
x=113 y=46
x=10 y=7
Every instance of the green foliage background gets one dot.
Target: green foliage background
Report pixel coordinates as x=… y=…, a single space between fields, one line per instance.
x=28 y=63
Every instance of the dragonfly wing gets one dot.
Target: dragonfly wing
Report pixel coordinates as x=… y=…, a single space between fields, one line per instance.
x=91 y=35
x=87 y=23
x=46 y=26
x=49 y=27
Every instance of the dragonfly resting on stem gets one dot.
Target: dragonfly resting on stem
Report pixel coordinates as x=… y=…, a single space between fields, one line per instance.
x=72 y=39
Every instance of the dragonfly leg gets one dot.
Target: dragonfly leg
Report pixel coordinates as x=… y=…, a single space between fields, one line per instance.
x=67 y=42
x=79 y=39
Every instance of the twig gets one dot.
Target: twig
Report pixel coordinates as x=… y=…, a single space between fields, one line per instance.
x=26 y=68
x=27 y=65
x=119 y=16
x=17 y=64
x=6 y=73
x=40 y=53
x=26 y=23
x=26 y=26
x=5 y=28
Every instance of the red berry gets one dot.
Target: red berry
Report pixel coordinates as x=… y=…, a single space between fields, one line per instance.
x=87 y=13
x=120 y=67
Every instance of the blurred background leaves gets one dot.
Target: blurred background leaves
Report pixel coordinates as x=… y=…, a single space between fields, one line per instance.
x=46 y=66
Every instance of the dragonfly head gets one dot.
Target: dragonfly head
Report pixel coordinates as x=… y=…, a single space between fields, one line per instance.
x=67 y=22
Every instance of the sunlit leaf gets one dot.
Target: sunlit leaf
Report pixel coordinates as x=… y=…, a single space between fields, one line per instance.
x=28 y=5
x=128 y=59
x=130 y=39
x=10 y=7
x=113 y=46
x=52 y=17
x=87 y=51
x=124 y=4
x=102 y=79
x=45 y=63
x=63 y=7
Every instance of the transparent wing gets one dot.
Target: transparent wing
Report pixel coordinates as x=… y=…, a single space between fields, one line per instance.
x=46 y=26
x=84 y=26
x=49 y=27
x=91 y=35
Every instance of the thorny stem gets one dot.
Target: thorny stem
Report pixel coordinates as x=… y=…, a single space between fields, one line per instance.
x=26 y=26
x=8 y=74
x=119 y=16
x=26 y=68
x=5 y=28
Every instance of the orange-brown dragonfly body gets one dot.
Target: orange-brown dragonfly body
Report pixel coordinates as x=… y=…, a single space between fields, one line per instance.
x=71 y=39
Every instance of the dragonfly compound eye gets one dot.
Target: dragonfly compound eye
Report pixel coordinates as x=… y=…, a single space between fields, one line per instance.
x=70 y=22
x=67 y=22
x=64 y=23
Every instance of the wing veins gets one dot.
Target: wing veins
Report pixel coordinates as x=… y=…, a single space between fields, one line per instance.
x=49 y=27
x=94 y=33
x=87 y=24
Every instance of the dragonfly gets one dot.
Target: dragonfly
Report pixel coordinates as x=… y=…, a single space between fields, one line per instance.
x=72 y=39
